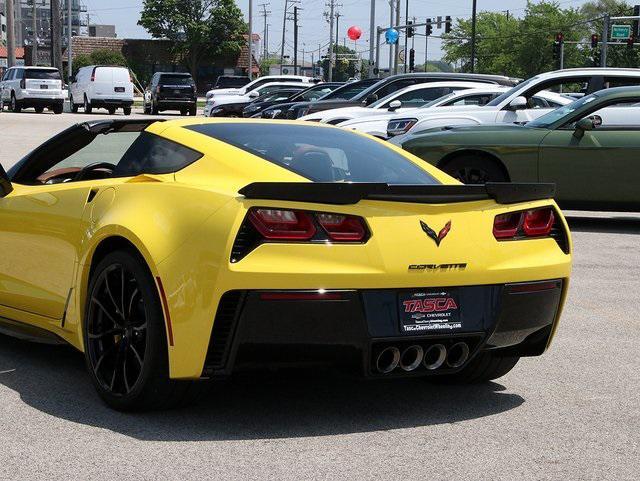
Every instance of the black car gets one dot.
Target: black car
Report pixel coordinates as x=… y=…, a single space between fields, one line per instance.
x=235 y=109
x=171 y=91
x=315 y=92
x=383 y=87
x=344 y=92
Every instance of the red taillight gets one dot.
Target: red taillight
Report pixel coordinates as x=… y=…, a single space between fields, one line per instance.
x=524 y=224
x=505 y=226
x=158 y=89
x=280 y=224
x=538 y=222
x=342 y=227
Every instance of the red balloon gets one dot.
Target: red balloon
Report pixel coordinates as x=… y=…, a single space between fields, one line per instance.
x=354 y=33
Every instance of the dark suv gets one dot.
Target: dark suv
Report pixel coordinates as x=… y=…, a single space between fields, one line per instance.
x=171 y=91
x=386 y=86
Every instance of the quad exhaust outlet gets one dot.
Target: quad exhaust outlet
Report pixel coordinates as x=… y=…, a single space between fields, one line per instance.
x=430 y=357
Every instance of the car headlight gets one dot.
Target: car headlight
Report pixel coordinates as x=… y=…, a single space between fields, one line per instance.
x=400 y=126
x=302 y=112
x=271 y=114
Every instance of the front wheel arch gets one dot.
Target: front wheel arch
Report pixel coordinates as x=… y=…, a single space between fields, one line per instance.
x=475 y=153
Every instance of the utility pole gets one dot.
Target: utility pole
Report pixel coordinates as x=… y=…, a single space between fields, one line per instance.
x=265 y=45
x=372 y=39
x=338 y=15
x=11 y=34
x=426 y=44
x=406 y=37
x=69 y=37
x=34 y=27
x=284 y=28
x=295 y=40
x=56 y=35
x=250 y=39
x=397 y=49
x=473 y=36
x=391 y=11
x=605 y=40
x=331 y=5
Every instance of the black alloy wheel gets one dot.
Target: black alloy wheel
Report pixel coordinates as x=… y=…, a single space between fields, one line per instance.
x=117 y=323
x=474 y=169
x=125 y=340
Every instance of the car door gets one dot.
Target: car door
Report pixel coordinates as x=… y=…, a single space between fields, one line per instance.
x=601 y=169
x=42 y=224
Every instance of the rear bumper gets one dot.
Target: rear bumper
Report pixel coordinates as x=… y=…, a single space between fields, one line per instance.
x=350 y=327
x=106 y=102
x=40 y=102
x=175 y=104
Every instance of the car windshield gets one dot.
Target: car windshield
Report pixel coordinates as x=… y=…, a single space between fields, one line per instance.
x=320 y=154
x=347 y=92
x=42 y=74
x=555 y=115
x=316 y=92
x=520 y=87
x=380 y=102
x=176 y=79
x=438 y=100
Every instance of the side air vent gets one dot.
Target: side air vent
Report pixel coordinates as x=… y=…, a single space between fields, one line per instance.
x=246 y=240
x=224 y=326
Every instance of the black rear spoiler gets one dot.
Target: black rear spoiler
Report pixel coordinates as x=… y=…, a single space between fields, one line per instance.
x=346 y=193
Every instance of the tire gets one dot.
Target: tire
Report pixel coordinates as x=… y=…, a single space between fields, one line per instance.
x=485 y=367
x=154 y=109
x=126 y=353
x=57 y=109
x=74 y=106
x=184 y=112
x=146 y=110
x=87 y=106
x=474 y=169
x=193 y=111
x=111 y=110
x=15 y=105
x=39 y=110
x=126 y=110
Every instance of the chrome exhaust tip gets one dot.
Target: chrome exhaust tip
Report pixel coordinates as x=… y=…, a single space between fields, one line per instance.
x=411 y=358
x=458 y=354
x=434 y=356
x=388 y=359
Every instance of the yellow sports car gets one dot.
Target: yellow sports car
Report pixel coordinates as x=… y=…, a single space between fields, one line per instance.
x=172 y=252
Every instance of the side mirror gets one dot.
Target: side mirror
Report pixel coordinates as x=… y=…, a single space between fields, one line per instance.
x=395 y=105
x=5 y=183
x=518 y=103
x=582 y=126
x=370 y=99
x=254 y=94
x=72 y=79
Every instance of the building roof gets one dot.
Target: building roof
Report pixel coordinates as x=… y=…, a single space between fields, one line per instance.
x=4 y=52
x=243 y=58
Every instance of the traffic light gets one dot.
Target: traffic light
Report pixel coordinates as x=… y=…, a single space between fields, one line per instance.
x=630 y=41
x=447 y=24
x=594 y=40
x=410 y=30
x=429 y=27
x=412 y=60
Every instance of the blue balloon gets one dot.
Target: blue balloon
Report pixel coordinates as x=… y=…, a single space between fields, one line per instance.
x=391 y=35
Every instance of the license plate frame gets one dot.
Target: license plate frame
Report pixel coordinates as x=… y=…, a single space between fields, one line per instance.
x=429 y=310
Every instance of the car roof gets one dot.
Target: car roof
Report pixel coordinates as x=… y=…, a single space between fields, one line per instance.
x=443 y=83
x=590 y=71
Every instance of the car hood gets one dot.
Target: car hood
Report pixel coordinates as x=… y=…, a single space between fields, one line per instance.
x=442 y=111
x=217 y=92
x=492 y=134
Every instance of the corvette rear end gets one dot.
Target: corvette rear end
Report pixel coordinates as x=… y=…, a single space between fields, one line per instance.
x=391 y=281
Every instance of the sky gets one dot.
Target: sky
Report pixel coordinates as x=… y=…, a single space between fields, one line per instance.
x=314 y=30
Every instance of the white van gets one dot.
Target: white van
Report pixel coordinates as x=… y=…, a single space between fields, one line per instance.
x=37 y=87
x=98 y=86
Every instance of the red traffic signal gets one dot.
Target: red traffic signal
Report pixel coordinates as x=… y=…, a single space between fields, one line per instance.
x=594 y=40
x=630 y=41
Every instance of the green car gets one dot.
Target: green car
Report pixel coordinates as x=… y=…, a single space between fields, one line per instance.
x=590 y=149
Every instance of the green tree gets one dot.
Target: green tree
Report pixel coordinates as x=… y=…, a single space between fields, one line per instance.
x=199 y=29
x=346 y=66
x=99 y=57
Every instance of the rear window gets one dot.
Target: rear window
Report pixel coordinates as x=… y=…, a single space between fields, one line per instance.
x=42 y=74
x=176 y=79
x=320 y=154
x=348 y=91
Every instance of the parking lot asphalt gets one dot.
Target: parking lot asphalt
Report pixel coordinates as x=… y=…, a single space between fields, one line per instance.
x=572 y=414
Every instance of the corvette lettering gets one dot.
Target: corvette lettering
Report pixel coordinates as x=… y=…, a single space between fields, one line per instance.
x=438 y=304
x=435 y=267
